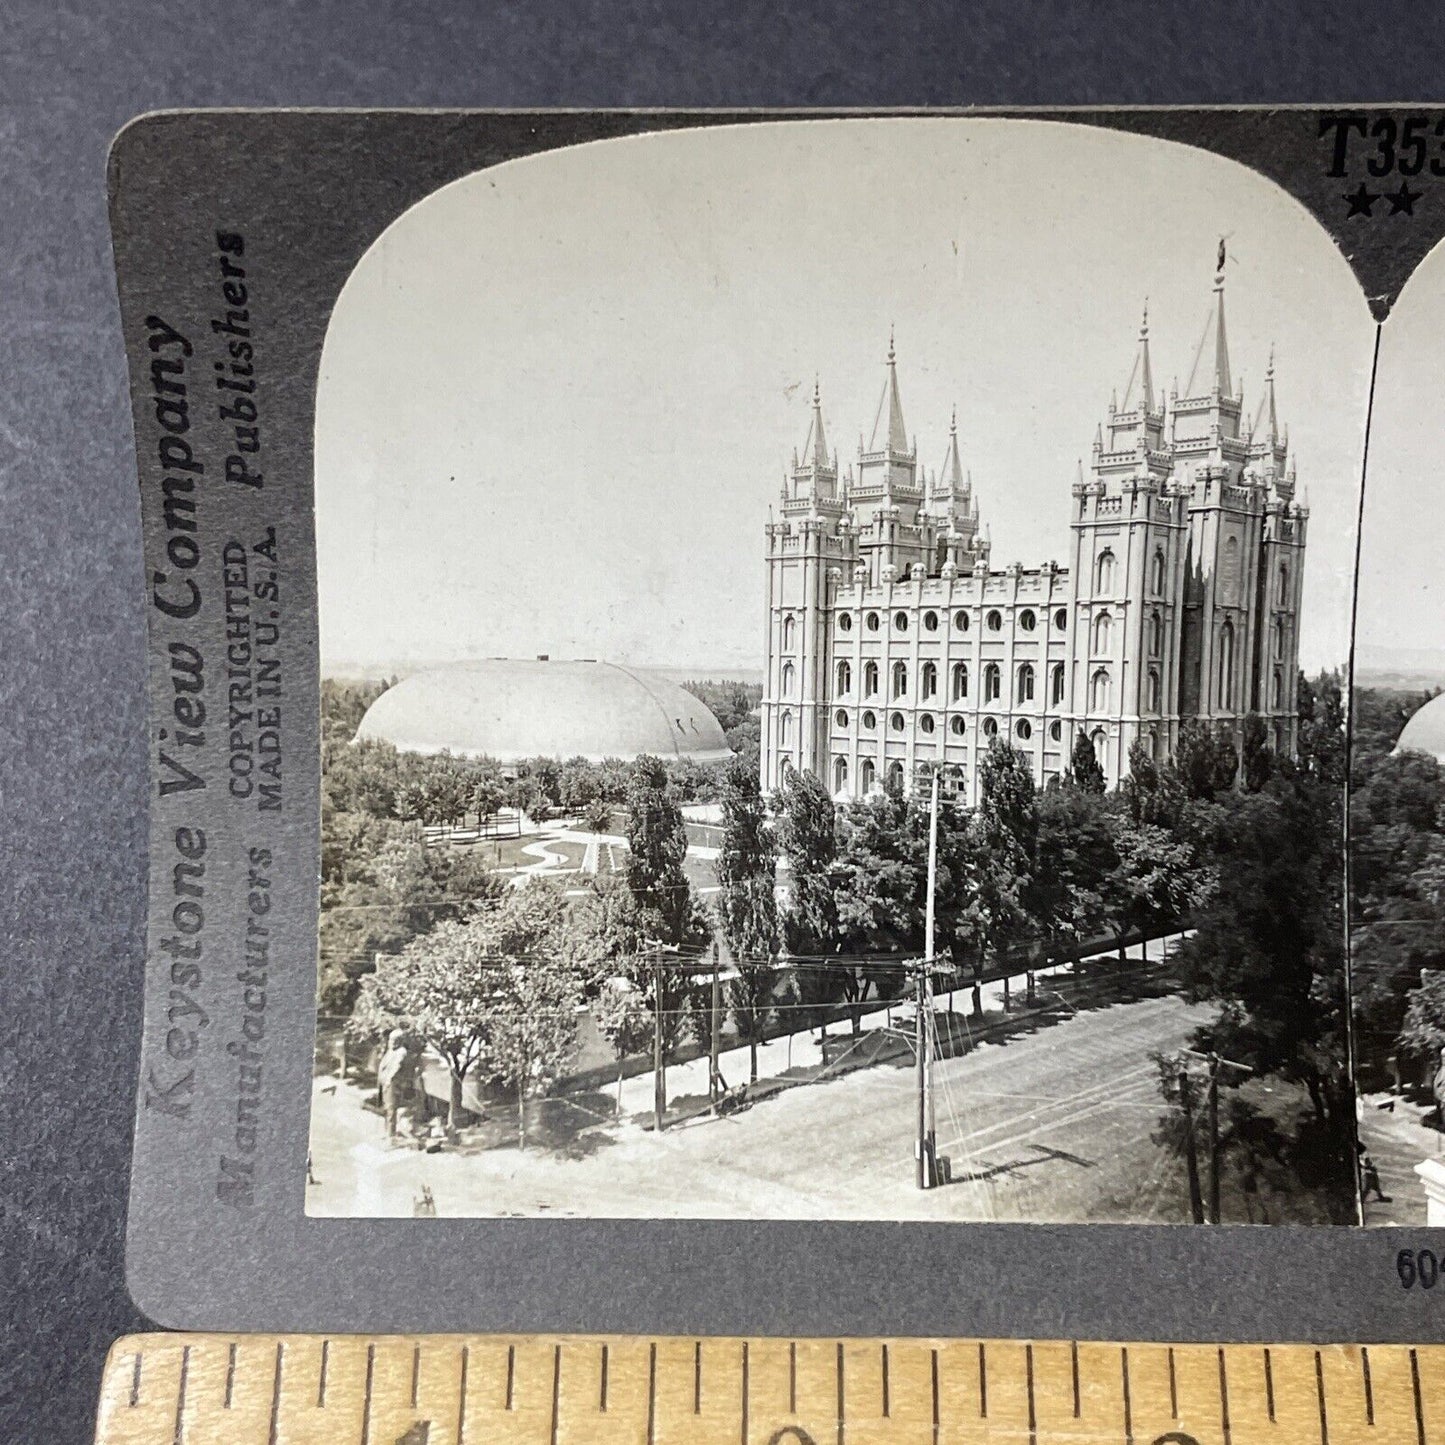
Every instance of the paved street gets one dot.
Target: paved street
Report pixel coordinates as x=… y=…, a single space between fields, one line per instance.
x=1050 y=1125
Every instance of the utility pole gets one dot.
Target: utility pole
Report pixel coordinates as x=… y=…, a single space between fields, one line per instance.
x=659 y=1079
x=1214 y=1138
x=712 y=1074
x=1196 y=1204
x=922 y=1074
x=930 y=950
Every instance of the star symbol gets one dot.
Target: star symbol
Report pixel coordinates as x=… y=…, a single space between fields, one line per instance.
x=1361 y=200
x=1403 y=200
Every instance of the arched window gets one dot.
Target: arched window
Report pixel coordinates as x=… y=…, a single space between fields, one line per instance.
x=992 y=682
x=788 y=676
x=867 y=775
x=994 y=621
x=840 y=774
x=1103 y=632
x=1100 y=740
x=930 y=622
x=789 y=627
x=1156 y=575
x=900 y=621
x=1283 y=597
x=870 y=679
x=1027 y=620
x=956 y=726
x=1056 y=683
x=990 y=727
x=897 y=722
x=1229 y=570
x=1226 y=664
x=1156 y=634
x=840 y=718
x=1061 y=619
x=928 y=676
x=1023 y=729
x=1276 y=689
x=1024 y=683
x=845 y=677
x=845 y=622
x=1056 y=731
x=960 y=620
x=1099 y=690
x=1277 y=637
x=960 y=680
x=785 y=728
x=895 y=776
x=900 y=678
x=1151 y=691
x=872 y=621
x=926 y=723
x=1104 y=574
x=869 y=719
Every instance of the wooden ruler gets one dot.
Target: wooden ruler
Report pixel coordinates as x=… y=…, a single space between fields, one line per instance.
x=165 y=1389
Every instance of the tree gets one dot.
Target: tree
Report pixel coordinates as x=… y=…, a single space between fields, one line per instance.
x=1423 y=1031
x=623 y=1018
x=597 y=816
x=657 y=846
x=1155 y=881
x=1005 y=834
x=1151 y=794
x=747 y=904
x=1074 y=859
x=1322 y=727
x=1204 y=760
x=1257 y=758
x=1085 y=770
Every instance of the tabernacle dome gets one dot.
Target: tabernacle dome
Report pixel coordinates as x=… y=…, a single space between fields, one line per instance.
x=509 y=709
x=1425 y=731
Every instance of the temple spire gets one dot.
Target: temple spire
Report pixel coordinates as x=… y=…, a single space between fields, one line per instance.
x=888 y=429
x=1139 y=394
x=1266 y=423
x=1210 y=372
x=815 y=449
x=952 y=464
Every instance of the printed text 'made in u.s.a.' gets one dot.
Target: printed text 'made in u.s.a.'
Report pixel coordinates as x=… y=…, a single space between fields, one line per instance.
x=253 y=670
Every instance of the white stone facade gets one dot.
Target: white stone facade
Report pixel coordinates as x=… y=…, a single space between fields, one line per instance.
x=892 y=642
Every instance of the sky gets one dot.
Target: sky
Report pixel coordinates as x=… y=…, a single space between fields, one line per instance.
x=557 y=397
x=1402 y=599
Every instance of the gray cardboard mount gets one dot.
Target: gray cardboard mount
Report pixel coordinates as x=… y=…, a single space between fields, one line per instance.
x=218 y=1237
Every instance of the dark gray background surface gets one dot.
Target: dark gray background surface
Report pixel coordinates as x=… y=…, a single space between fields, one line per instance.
x=72 y=760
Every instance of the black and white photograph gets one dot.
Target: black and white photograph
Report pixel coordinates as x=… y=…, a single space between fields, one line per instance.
x=833 y=646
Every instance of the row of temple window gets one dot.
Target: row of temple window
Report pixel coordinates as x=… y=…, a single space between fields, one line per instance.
x=1024 y=680
x=1028 y=621
x=927 y=724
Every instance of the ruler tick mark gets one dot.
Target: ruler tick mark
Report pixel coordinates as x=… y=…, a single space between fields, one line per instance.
x=135 y=1380
x=936 y=1416
x=556 y=1388
x=462 y=1396
x=273 y=1431
x=230 y=1375
x=887 y=1403
x=792 y=1377
x=651 y=1394
x=1128 y=1399
x=511 y=1372
x=1074 y=1369
x=1369 y=1387
x=842 y=1413
x=366 y=1395
x=1223 y=1399
x=321 y=1382
x=1269 y=1384
x=602 y=1388
x=1029 y=1382
x=1419 y=1403
x=1320 y=1392
x=1173 y=1387
x=982 y=1382
x=745 y=1393
x=415 y=1373
x=697 y=1378
x=181 y=1395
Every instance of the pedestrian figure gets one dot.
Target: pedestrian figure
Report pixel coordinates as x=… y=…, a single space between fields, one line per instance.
x=1370 y=1179
x=397 y=1076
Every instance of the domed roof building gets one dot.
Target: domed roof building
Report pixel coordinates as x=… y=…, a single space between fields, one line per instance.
x=509 y=709
x=1425 y=731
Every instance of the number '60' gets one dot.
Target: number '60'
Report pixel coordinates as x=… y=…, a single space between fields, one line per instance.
x=1417 y=1266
